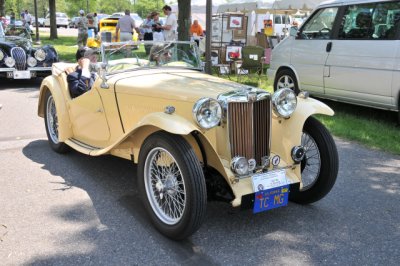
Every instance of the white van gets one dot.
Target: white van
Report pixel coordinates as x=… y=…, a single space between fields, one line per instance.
x=347 y=51
x=281 y=23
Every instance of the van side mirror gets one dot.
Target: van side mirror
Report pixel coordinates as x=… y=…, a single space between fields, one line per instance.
x=293 y=31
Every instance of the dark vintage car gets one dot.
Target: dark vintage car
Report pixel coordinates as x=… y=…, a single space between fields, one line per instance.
x=19 y=59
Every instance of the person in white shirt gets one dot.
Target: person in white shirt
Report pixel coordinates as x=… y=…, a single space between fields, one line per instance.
x=171 y=24
x=27 y=20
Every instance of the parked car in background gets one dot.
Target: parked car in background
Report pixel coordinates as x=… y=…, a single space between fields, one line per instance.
x=194 y=137
x=107 y=32
x=345 y=51
x=62 y=20
x=135 y=16
x=40 y=22
x=19 y=59
x=73 y=22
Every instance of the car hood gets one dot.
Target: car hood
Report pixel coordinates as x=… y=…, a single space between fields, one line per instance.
x=184 y=85
x=12 y=41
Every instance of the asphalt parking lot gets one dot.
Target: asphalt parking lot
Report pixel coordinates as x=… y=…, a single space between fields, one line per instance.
x=79 y=210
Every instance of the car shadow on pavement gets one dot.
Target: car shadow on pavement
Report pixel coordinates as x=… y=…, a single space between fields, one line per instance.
x=117 y=225
x=342 y=228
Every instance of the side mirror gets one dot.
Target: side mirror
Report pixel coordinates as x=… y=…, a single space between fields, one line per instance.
x=293 y=31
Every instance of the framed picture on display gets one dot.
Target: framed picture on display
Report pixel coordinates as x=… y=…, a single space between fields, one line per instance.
x=235 y=22
x=233 y=53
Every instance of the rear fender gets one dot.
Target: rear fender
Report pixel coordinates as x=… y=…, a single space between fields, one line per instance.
x=64 y=124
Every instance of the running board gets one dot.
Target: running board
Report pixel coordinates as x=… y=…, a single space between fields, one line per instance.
x=82 y=147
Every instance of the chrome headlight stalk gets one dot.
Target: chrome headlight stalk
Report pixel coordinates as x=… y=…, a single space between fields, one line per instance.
x=9 y=61
x=207 y=113
x=284 y=102
x=40 y=55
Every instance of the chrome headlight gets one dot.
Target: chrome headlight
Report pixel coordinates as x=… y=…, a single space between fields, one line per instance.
x=1 y=55
x=9 y=61
x=207 y=113
x=284 y=102
x=40 y=55
x=240 y=165
x=32 y=61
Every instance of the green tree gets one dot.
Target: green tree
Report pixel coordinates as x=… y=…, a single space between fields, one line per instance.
x=2 y=8
x=144 y=7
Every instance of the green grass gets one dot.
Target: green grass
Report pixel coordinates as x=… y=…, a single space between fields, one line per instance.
x=370 y=127
x=65 y=46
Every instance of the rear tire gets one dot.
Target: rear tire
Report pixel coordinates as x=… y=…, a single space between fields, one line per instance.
x=286 y=79
x=172 y=185
x=320 y=165
x=51 y=123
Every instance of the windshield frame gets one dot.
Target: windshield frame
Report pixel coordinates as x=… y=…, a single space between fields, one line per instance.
x=179 y=59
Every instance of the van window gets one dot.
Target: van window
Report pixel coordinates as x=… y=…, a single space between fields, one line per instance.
x=373 y=21
x=278 y=19
x=320 y=25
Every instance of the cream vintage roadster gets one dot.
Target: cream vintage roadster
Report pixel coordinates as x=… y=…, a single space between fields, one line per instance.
x=194 y=137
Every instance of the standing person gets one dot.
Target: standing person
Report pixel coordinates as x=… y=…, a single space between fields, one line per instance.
x=95 y=23
x=12 y=18
x=171 y=24
x=82 y=25
x=147 y=31
x=27 y=20
x=158 y=34
x=126 y=25
x=196 y=31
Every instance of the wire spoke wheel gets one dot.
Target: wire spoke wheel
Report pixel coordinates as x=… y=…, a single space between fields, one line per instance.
x=172 y=185
x=311 y=163
x=52 y=124
x=165 y=186
x=52 y=120
x=320 y=165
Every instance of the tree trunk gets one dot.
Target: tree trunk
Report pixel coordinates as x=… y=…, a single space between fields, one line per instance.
x=184 y=19
x=2 y=8
x=53 y=21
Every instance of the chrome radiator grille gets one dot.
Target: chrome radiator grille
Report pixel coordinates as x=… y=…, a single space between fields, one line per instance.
x=250 y=128
x=20 y=58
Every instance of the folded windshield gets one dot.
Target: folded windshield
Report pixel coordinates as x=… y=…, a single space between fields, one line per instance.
x=125 y=56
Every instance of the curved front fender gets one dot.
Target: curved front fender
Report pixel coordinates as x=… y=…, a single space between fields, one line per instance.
x=171 y=123
x=287 y=132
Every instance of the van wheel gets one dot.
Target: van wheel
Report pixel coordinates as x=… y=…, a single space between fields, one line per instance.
x=286 y=79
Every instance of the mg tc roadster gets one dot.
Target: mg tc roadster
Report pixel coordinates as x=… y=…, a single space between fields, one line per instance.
x=195 y=137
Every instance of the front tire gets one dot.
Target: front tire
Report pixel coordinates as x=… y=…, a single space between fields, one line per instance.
x=172 y=185
x=286 y=79
x=320 y=165
x=51 y=123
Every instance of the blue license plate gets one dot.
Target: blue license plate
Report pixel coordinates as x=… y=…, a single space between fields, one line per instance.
x=271 y=198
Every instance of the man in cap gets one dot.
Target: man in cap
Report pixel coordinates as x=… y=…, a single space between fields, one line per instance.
x=82 y=29
x=80 y=79
x=126 y=26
